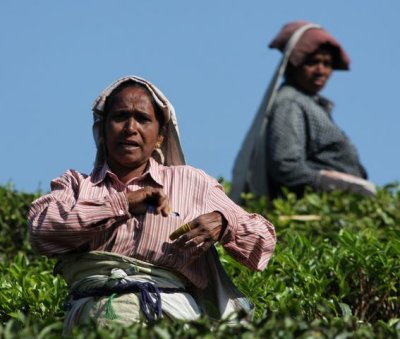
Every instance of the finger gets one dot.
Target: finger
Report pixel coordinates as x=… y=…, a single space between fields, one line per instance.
x=186 y=242
x=156 y=199
x=135 y=197
x=160 y=200
x=204 y=233
x=196 y=241
x=139 y=208
x=181 y=234
x=186 y=236
x=163 y=207
x=191 y=243
x=199 y=251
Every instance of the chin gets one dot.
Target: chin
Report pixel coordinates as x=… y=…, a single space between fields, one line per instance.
x=316 y=89
x=132 y=163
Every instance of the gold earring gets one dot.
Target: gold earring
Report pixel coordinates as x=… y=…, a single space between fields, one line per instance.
x=159 y=142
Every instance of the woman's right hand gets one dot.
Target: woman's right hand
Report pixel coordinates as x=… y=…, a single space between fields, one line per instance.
x=140 y=200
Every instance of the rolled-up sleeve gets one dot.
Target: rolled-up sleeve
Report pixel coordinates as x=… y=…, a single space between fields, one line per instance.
x=248 y=238
x=61 y=221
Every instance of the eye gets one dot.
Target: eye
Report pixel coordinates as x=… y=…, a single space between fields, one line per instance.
x=119 y=116
x=311 y=62
x=142 y=117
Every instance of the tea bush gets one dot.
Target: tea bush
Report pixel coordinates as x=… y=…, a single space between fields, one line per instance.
x=13 y=209
x=335 y=274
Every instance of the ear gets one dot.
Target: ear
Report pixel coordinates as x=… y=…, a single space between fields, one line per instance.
x=162 y=134
x=160 y=140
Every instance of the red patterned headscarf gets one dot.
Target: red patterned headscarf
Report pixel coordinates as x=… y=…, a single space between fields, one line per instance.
x=309 y=42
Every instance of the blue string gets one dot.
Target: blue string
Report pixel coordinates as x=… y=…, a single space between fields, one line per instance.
x=150 y=307
x=149 y=295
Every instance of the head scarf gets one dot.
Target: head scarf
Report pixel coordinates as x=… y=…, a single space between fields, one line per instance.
x=309 y=42
x=170 y=152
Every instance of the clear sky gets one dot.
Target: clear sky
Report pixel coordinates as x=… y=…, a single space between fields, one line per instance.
x=209 y=57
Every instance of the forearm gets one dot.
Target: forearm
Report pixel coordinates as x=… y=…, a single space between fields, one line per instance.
x=251 y=242
x=57 y=226
x=248 y=238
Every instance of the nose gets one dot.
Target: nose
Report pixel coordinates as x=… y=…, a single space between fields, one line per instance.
x=130 y=125
x=323 y=67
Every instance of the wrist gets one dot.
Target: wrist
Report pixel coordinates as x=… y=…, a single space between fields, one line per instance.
x=223 y=222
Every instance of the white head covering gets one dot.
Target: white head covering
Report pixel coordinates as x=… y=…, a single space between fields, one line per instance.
x=170 y=152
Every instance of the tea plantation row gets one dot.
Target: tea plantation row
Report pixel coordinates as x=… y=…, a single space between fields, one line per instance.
x=335 y=274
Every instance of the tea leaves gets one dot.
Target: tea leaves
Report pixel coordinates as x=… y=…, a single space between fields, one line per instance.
x=335 y=274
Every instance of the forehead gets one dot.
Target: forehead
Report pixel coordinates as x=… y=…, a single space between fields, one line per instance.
x=132 y=92
x=322 y=52
x=130 y=95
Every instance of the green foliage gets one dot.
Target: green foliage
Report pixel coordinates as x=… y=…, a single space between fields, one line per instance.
x=29 y=287
x=14 y=208
x=335 y=273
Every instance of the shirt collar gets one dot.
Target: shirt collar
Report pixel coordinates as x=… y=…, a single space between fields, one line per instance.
x=153 y=171
x=99 y=173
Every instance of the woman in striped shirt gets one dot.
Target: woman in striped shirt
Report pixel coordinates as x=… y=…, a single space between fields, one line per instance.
x=113 y=230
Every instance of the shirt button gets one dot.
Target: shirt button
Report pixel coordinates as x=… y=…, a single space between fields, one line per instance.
x=121 y=212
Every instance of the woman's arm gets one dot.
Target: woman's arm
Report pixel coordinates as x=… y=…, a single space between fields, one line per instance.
x=62 y=221
x=249 y=238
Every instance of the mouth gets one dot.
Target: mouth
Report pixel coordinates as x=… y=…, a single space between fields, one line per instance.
x=319 y=80
x=129 y=145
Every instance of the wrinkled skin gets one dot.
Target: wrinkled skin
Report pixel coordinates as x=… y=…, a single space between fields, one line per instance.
x=131 y=132
x=140 y=200
x=205 y=231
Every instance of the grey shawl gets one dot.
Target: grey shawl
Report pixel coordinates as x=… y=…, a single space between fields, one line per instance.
x=250 y=168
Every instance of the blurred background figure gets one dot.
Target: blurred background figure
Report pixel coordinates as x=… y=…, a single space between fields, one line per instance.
x=293 y=141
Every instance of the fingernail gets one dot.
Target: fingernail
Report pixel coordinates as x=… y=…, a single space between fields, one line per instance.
x=170 y=211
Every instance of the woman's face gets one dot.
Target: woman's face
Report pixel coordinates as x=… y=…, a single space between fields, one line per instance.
x=312 y=76
x=131 y=130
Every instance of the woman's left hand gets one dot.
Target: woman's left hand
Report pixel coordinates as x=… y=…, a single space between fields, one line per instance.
x=206 y=229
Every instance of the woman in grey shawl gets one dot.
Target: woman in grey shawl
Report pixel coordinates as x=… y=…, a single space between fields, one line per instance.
x=294 y=142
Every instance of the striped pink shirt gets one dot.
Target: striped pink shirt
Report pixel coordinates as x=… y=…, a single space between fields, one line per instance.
x=91 y=213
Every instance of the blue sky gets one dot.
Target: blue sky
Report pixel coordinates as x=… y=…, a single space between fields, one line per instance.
x=209 y=57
